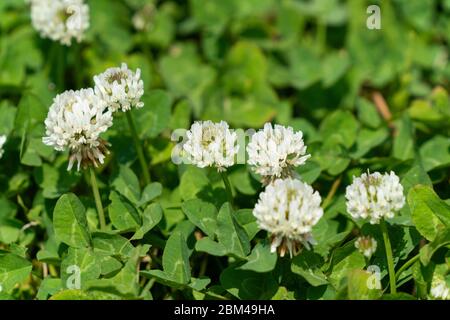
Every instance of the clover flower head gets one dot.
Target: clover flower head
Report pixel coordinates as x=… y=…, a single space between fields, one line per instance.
x=275 y=151
x=375 y=196
x=60 y=20
x=288 y=209
x=366 y=245
x=121 y=88
x=439 y=289
x=210 y=144
x=142 y=18
x=74 y=122
x=2 y=142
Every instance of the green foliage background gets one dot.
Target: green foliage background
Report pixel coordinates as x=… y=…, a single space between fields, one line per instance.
x=312 y=65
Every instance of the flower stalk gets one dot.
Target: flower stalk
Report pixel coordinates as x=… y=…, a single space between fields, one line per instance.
x=389 y=256
x=227 y=184
x=139 y=150
x=98 y=200
x=407 y=264
x=60 y=66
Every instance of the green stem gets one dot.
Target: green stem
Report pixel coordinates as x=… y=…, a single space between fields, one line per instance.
x=321 y=35
x=390 y=260
x=78 y=65
x=98 y=201
x=52 y=271
x=332 y=192
x=157 y=260
x=139 y=150
x=148 y=286
x=407 y=264
x=226 y=181
x=203 y=266
x=216 y=295
x=60 y=67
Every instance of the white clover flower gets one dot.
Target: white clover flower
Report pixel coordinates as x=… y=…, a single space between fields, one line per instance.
x=366 y=245
x=439 y=289
x=142 y=19
x=274 y=152
x=2 y=142
x=211 y=144
x=375 y=196
x=121 y=88
x=288 y=209
x=74 y=122
x=60 y=20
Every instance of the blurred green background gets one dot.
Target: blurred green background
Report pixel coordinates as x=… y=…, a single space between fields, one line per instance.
x=245 y=61
x=363 y=98
x=313 y=65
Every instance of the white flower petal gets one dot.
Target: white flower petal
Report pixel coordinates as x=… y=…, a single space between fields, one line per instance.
x=121 y=88
x=366 y=245
x=211 y=144
x=74 y=122
x=273 y=151
x=375 y=196
x=60 y=20
x=288 y=209
x=2 y=143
